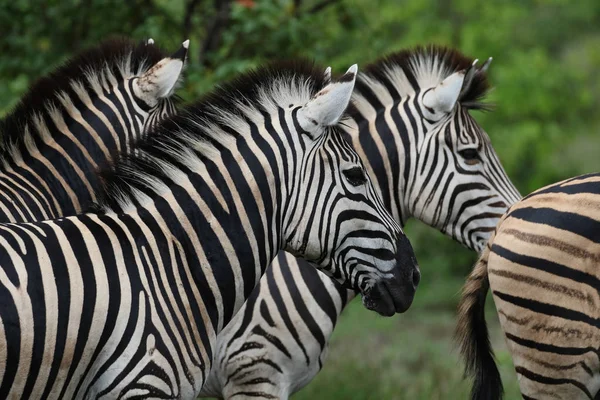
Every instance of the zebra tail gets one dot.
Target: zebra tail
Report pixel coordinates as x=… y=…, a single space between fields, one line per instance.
x=473 y=337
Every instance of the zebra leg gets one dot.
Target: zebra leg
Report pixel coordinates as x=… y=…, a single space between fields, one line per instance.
x=254 y=378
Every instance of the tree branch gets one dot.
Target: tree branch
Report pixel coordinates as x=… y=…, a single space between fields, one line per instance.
x=215 y=29
x=190 y=7
x=320 y=6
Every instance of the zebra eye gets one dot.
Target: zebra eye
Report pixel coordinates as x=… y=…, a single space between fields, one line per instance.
x=471 y=156
x=356 y=176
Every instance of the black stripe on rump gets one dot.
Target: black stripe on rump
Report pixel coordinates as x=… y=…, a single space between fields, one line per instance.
x=549 y=309
x=552 y=381
x=571 y=188
x=550 y=267
x=550 y=348
x=575 y=223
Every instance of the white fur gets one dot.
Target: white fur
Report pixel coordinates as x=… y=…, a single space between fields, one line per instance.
x=328 y=75
x=159 y=81
x=444 y=96
x=327 y=107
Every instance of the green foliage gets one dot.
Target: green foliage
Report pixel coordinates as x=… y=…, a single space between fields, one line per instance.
x=544 y=126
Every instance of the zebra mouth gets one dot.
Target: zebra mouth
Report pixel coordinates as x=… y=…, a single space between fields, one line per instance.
x=386 y=300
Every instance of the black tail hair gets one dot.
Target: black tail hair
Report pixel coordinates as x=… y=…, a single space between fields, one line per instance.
x=473 y=337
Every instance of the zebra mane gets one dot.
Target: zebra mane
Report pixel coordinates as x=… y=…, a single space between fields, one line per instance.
x=200 y=131
x=119 y=57
x=408 y=71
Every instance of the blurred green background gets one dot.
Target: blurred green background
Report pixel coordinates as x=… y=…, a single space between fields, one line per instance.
x=544 y=126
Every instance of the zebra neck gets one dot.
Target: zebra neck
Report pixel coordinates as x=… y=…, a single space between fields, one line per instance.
x=387 y=141
x=221 y=223
x=52 y=179
x=52 y=173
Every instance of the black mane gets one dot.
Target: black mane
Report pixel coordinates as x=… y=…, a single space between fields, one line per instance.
x=452 y=61
x=109 y=55
x=122 y=177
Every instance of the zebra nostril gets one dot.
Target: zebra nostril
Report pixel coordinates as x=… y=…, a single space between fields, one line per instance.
x=499 y=204
x=416 y=277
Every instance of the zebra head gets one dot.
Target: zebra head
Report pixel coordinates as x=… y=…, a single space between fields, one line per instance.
x=459 y=185
x=337 y=220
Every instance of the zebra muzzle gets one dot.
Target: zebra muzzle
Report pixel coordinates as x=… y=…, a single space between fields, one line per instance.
x=395 y=293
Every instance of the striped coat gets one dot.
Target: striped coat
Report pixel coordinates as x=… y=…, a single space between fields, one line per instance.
x=126 y=301
x=429 y=158
x=542 y=265
x=72 y=121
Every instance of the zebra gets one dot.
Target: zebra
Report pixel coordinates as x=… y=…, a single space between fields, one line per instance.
x=542 y=266
x=429 y=159
x=129 y=297
x=72 y=121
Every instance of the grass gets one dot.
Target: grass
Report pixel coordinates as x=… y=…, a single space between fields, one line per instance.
x=410 y=356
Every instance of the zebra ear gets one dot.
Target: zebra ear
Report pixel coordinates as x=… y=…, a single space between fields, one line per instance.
x=444 y=96
x=327 y=107
x=160 y=80
x=327 y=75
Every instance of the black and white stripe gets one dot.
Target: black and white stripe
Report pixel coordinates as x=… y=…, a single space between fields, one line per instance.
x=129 y=299
x=542 y=266
x=429 y=158
x=73 y=120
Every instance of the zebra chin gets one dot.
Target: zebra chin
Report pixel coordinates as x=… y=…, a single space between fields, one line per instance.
x=390 y=295
x=386 y=299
